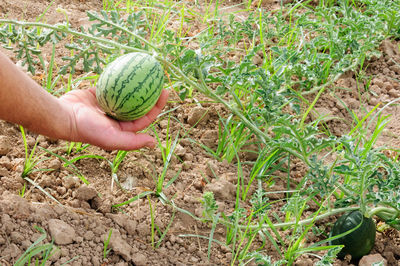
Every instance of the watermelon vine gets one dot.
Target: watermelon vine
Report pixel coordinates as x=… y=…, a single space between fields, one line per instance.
x=285 y=76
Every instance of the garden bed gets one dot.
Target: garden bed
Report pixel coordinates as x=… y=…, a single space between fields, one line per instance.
x=101 y=223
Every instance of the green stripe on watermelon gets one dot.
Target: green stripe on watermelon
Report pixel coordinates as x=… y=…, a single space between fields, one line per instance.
x=130 y=86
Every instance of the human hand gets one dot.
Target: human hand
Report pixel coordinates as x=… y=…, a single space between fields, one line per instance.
x=89 y=124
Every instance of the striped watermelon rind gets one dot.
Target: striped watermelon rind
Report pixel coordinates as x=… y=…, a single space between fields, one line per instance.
x=130 y=86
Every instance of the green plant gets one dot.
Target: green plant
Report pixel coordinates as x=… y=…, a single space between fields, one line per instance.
x=69 y=164
x=107 y=250
x=114 y=165
x=22 y=191
x=76 y=147
x=38 y=253
x=31 y=160
x=155 y=229
x=167 y=152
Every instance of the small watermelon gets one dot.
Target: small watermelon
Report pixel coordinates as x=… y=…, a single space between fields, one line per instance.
x=359 y=242
x=130 y=86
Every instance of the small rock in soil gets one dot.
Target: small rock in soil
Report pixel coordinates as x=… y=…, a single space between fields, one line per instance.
x=352 y=103
x=389 y=256
x=197 y=115
x=124 y=222
x=6 y=162
x=16 y=237
x=95 y=261
x=3 y=172
x=118 y=245
x=130 y=227
x=394 y=93
x=388 y=48
x=222 y=189
x=25 y=244
x=396 y=69
x=370 y=260
x=140 y=259
x=12 y=251
x=61 y=190
x=5 y=145
x=47 y=181
x=56 y=255
x=55 y=164
x=373 y=101
x=390 y=247
x=2 y=240
x=30 y=141
x=164 y=123
x=179 y=150
x=75 y=203
x=117 y=218
x=89 y=235
x=188 y=157
x=61 y=232
x=250 y=152
x=86 y=193
x=71 y=182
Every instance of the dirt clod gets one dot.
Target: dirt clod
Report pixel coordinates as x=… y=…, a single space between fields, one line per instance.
x=222 y=189
x=85 y=193
x=371 y=260
x=61 y=232
x=5 y=145
x=119 y=245
x=198 y=115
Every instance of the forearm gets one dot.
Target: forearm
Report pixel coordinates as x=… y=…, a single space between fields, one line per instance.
x=24 y=102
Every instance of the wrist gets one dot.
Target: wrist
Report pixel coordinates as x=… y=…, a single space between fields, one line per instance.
x=63 y=124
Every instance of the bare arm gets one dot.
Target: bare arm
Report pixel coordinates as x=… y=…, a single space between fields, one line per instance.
x=24 y=102
x=74 y=116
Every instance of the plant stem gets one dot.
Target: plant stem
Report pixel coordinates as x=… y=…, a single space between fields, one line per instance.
x=331 y=80
x=64 y=28
x=278 y=225
x=205 y=90
x=126 y=31
x=383 y=212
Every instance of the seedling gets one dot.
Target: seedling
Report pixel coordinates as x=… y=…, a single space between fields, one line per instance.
x=107 y=250
x=31 y=159
x=38 y=253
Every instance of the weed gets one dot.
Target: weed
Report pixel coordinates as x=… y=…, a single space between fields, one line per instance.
x=38 y=253
x=107 y=250
x=31 y=159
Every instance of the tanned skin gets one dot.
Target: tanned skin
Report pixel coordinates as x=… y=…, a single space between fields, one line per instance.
x=75 y=116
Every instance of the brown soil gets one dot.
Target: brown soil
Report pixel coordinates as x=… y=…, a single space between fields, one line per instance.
x=80 y=225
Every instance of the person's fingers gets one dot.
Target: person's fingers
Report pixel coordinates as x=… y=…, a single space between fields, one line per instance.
x=124 y=140
x=146 y=120
x=92 y=90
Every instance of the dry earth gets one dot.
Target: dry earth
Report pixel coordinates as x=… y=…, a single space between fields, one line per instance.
x=81 y=224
